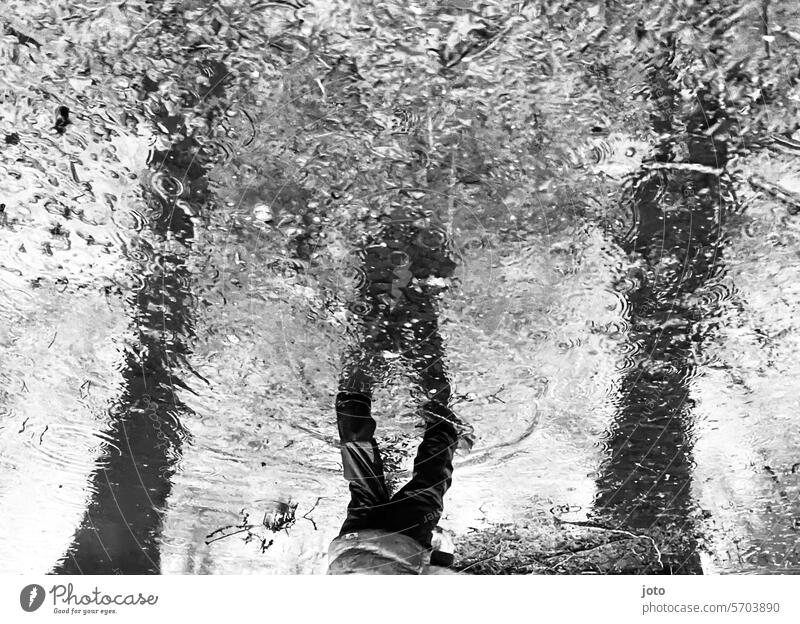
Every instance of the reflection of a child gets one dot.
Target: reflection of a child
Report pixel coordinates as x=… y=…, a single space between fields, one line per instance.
x=384 y=534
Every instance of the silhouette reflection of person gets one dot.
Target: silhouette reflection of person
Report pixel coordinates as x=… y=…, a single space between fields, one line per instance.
x=397 y=534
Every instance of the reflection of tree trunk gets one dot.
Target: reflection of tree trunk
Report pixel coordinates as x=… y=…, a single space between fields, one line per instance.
x=121 y=530
x=645 y=483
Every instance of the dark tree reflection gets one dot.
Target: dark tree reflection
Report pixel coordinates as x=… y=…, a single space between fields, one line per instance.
x=679 y=205
x=121 y=530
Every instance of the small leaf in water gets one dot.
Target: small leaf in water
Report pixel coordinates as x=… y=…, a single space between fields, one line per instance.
x=263 y=213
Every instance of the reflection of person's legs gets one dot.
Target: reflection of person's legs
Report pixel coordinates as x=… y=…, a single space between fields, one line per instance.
x=403 y=320
x=361 y=461
x=421 y=345
x=415 y=509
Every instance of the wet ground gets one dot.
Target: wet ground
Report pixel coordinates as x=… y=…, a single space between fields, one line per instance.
x=598 y=215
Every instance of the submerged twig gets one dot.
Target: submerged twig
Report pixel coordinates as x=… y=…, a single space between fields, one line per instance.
x=484 y=560
x=592 y=525
x=683 y=166
x=242 y=526
x=792 y=199
x=305 y=515
x=578 y=551
x=210 y=541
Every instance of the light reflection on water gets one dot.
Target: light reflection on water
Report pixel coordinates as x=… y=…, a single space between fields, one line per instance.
x=180 y=267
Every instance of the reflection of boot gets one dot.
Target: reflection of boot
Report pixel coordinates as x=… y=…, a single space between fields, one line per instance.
x=416 y=508
x=361 y=462
x=433 y=411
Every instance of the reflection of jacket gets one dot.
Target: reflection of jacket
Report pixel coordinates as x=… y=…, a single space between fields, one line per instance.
x=373 y=551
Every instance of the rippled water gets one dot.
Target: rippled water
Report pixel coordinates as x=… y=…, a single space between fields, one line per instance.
x=595 y=204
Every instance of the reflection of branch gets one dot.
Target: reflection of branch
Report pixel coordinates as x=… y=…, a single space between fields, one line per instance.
x=311 y=520
x=471 y=56
x=578 y=551
x=467 y=51
x=242 y=526
x=210 y=541
x=135 y=38
x=683 y=166
x=783 y=144
x=495 y=397
x=778 y=192
x=283 y=4
x=479 y=561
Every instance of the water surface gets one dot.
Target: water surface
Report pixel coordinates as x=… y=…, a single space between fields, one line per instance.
x=598 y=203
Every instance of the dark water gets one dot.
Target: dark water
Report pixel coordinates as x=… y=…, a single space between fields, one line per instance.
x=578 y=219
